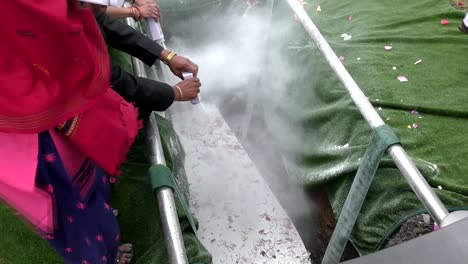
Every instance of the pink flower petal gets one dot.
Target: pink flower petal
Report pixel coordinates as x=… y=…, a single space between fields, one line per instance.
x=444 y=22
x=414 y=112
x=415 y=125
x=402 y=78
x=350 y=18
x=387 y=48
x=112 y=180
x=341 y=58
x=436 y=227
x=461 y=3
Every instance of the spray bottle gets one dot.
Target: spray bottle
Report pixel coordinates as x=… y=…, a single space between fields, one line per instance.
x=156 y=31
x=186 y=76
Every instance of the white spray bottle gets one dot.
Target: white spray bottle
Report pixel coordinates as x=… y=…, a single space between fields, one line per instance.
x=156 y=31
x=186 y=76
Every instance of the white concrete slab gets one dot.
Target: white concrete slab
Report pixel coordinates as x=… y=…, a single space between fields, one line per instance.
x=241 y=221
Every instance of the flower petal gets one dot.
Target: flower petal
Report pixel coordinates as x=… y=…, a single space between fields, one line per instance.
x=402 y=78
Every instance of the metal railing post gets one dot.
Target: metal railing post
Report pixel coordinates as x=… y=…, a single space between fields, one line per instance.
x=412 y=175
x=165 y=196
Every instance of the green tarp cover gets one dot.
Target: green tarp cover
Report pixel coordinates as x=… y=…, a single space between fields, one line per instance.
x=326 y=134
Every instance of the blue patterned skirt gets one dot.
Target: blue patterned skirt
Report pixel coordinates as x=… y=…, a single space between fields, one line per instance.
x=86 y=230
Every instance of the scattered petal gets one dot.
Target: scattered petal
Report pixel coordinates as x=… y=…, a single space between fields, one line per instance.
x=415 y=125
x=394 y=68
x=414 y=112
x=436 y=227
x=115 y=212
x=359 y=59
x=439 y=187
x=460 y=3
x=444 y=22
x=350 y=18
x=346 y=36
x=112 y=180
x=387 y=48
x=409 y=126
x=417 y=62
x=402 y=78
x=319 y=9
x=380 y=108
x=377 y=100
x=420 y=117
x=387 y=119
x=341 y=58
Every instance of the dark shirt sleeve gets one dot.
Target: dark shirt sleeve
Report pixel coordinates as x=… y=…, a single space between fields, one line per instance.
x=124 y=38
x=148 y=95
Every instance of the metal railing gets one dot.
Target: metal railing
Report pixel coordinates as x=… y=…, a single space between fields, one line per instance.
x=412 y=175
x=165 y=195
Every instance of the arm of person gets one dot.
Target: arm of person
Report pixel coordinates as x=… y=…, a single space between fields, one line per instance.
x=144 y=10
x=119 y=12
x=124 y=38
x=147 y=94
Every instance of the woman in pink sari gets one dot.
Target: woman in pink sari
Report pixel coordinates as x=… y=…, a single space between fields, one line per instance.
x=63 y=130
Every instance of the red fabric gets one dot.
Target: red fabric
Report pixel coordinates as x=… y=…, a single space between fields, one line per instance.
x=54 y=64
x=106 y=132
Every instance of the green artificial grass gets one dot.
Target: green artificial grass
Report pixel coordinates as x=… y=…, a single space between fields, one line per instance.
x=326 y=134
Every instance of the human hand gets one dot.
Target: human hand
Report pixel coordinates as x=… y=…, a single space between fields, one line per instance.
x=187 y=90
x=179 y=64
x=150 y=9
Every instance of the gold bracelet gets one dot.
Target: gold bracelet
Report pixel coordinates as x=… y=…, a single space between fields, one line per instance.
x=169 y=57
x=180 y=91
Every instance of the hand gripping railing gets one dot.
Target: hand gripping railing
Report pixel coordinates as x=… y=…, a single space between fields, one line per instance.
x=165 y=195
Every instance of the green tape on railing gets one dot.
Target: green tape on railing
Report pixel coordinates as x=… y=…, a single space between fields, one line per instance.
x=161 y=176
x=382 y=138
